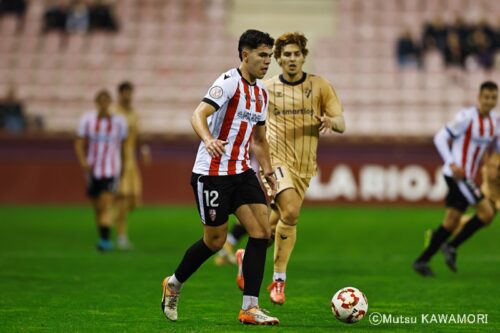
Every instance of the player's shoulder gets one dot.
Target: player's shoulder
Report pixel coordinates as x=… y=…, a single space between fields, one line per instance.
x=318 y=80
x=467 y=112
x=229 y=76
x=269 y=82
x=88 y=115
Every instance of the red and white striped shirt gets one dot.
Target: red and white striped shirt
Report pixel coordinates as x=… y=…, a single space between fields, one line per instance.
x=104 y=139
x=471 y=134
x=240 y=107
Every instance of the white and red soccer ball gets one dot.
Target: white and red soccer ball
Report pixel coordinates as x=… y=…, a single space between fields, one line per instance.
x=349 y=305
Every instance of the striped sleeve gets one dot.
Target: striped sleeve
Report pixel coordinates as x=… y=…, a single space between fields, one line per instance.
x=221 y=91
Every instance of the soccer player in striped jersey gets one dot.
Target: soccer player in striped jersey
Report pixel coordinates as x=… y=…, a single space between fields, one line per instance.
x=470 y=133
x=301 y=107
x=98 y=147
x=130 y=188
x=232 y=112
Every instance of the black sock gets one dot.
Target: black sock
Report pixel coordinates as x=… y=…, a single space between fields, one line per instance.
x=469 y=229
x=439 y=236
x=104 y=232
x=253 y=265
x=194 y=257
x=238 y=231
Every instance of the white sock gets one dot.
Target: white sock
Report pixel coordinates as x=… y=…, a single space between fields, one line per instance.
x=279 y=276
x=174 y=284
x=230 y=239
x=122 y=238
x=249 y=302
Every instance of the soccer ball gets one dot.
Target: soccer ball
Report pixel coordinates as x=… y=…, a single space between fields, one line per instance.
x=349 y=305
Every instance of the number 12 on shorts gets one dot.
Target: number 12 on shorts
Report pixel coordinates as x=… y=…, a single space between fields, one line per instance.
x=211 y=197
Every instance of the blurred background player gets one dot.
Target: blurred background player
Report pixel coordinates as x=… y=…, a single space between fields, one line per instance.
x=130 y=188
x=301 y=106
x=490 y=186
x=98 y=147
x=233 y=111
x=470 y=133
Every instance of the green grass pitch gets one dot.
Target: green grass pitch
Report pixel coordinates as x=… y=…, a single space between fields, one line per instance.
x=53 y=280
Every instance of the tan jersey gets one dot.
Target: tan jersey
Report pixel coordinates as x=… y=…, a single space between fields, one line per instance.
x=292 y=129
x=130 y=144
x=491 y=186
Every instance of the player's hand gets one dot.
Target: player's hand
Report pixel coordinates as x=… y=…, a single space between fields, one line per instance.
x=272 y=182
x=215 y=147
x=326 y=124
x=458 y=172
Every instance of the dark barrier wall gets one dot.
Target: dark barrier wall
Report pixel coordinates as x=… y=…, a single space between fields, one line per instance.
x=44 y=170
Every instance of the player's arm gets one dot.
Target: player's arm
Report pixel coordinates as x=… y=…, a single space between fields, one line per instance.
x=214 y=147
x=79 y=146
x=332 y=113
x=260 y=148
x=442 y=142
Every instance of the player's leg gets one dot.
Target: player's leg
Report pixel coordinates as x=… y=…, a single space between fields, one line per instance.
x=103 y=204
x=212 y=241
x=213 y=200
x=456 y=204
x=254 y=218
x=227 y=255
x=124 y=206
x=288 y=203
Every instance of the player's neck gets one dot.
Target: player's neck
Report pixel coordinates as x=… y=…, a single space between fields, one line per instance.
x=246 y=74
x=292 y=78
x=102 y=113
x=482 y=112
x=125 y=105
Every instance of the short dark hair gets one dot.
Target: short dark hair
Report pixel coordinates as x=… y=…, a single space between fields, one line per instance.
x=102 y=93
x=126 y=85
x=252 y=39
x=488 y=85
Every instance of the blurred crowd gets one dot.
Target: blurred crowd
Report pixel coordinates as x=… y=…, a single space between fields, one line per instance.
x=67 y=15
x=79 y=16
x=461 y=45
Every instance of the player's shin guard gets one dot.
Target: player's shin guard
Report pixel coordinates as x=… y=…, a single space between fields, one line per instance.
x=468 y=230
x=253 y=265
x=194 y=257
x=439 y=236
x=285 y=238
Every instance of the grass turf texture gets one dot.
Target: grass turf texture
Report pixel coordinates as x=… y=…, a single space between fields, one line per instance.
x=53 y=280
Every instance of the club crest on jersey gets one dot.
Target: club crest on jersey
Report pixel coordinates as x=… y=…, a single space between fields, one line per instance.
x=212 y=213
x=216 y=92
x=279 y=94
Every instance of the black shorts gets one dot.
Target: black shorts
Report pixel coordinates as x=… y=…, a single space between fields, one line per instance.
x=462 y=193
x=219 y=196
x=97 y=186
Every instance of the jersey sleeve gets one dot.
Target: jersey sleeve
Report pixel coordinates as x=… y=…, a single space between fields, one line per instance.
x=265 y=107
x=458 y=125
x=331 y=105
x=221 y=91
x=82 y=130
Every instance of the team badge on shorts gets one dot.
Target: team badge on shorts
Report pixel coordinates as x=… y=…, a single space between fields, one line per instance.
x=216 y=92
x=212 y=213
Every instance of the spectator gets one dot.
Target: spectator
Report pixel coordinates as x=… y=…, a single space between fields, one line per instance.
x=101 y=17
x=78 y=18
x=454 y=54
x=482 y=49
x=408 y=51
x=54 y=17
x=435 y=34
x=11 y=112
x=15 y=7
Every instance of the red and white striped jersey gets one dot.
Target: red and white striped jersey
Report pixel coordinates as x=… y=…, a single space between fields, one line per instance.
x=471 y=134
x=104 y=137
x=240 y=107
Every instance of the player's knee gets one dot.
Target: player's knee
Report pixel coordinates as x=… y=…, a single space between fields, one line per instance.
x=216 y=242
x=486 y=216
x=263 y=232
x=290 y=216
